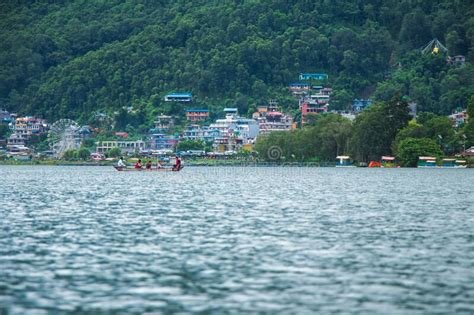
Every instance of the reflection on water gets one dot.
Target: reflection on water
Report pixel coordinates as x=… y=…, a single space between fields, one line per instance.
x=289 y=240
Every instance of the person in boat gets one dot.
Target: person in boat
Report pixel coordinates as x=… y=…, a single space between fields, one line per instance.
x=138 y=165
x=177 y=164
x=120 y=162
x=148 y=166
x=158 y=164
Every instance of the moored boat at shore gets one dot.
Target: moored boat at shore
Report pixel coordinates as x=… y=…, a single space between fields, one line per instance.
x=453 y=163
x=344 y=161
x=389 y=162
x=426 y=162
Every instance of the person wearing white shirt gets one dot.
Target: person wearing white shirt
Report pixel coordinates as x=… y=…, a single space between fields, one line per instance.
x=120 y=162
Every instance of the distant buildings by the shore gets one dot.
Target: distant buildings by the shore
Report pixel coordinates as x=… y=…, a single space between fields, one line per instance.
x=230 y=133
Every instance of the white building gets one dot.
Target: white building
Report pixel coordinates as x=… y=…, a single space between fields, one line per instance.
x=124 y=146
x=233 y=125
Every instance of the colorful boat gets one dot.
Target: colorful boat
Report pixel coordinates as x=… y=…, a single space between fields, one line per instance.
x=460 y=164
x=453 y=163
x=374 y=164
x=426 y=162
x=448 y=163
x=344 y=161
x=389 y=162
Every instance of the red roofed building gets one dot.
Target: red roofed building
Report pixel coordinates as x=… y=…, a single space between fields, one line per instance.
x=196 y=115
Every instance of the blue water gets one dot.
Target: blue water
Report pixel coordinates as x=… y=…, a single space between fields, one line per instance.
x=236 y=240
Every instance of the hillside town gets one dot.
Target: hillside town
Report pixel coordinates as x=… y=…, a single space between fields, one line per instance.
x=29 y=137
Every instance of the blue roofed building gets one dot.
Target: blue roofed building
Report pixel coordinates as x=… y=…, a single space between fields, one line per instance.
x=313 y=76
x=160 y=141
x=179 y=97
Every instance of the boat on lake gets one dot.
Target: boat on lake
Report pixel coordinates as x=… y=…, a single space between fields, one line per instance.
x=155 y=169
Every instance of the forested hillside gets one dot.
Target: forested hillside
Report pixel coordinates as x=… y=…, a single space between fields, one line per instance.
x=71 y=58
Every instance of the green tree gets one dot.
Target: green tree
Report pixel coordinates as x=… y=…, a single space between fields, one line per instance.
x=186 y=145
x=468 y=130
x=114 y=152
x=375 y=129
x=470 y=108
x=441 y=129
x=410 y=149
x=88 y=143
x=83 y=154
x=70 y=155
x=3 y=131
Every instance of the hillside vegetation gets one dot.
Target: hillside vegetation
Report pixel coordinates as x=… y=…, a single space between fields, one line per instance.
x=73 y=58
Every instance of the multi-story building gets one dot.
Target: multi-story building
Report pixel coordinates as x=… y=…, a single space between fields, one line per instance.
x=124 y=146
x=312 y=108
x=16 y=139
x=28 y=126
x=246 y=129
x=164 y=123
x=459 y=117
x=197 y=114
x=315 y=103
x=270 y=119
x=235 y=131
x=299 y=89
x=196 y=132
x=160 y=141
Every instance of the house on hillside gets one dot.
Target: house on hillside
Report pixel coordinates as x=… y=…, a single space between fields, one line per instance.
x=459 y=117
x=197 y=114
x=270 y=119
x=164 y=123
x=458 y=61
x=179 y=97
x=313 y=76
x=160 y=141
x=359 y=105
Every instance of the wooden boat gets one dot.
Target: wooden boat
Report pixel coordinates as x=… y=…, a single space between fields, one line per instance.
x=162 y=169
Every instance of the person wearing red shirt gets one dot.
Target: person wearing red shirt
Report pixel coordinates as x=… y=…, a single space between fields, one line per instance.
x=138 y=165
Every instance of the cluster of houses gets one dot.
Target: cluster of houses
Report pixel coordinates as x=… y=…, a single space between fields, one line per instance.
x=228 y=134
x=23 y=132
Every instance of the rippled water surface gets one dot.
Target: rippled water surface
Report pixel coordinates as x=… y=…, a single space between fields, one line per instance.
x=236 y=240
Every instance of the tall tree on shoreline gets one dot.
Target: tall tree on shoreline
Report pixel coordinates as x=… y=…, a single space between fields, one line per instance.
x=375 y=129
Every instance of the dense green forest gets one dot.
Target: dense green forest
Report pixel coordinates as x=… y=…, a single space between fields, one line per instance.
x=74 y=58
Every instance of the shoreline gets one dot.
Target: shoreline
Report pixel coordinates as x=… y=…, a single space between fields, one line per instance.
x=231 y=163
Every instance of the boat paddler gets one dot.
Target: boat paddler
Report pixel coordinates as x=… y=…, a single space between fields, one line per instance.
x=177 y=164
x=120 y=162
x=138 y=165
x=148 y=166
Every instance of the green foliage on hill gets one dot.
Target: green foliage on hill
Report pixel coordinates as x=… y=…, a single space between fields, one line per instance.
x=71 y=58
x=382 y=129
x=323 y=141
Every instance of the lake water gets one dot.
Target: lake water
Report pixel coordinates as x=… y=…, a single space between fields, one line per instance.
x=236 y=240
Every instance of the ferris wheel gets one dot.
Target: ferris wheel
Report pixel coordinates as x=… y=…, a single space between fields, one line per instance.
x=63 y=135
